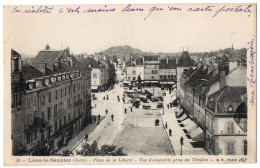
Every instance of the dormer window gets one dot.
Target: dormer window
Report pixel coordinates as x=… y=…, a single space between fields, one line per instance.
x=39 y=83
x=59 y=78
x=53 y=79
x=46 y=81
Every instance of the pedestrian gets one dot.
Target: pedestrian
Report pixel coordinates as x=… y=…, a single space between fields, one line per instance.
x=170 y=132
x=86 y=136
x=125 y=110
x=166 y=125
x=112 y=117
x=168 y=106
x=131 y=109
x=99 y=117
x=104 y=98
x=124 y=100
x=106 y=111
x=107 y=97
x=94 y=120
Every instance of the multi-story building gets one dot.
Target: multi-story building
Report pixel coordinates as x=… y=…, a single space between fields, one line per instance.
x=185 y=62
x=167 y=72
x=135 y=70
x=225 y=135
x=55 y=102
x=151 y=70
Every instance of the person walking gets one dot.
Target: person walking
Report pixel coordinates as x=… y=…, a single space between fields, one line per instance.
x=104 y=98
x=112 y=117
x=94 y=120
x=168 y=106
x=166 y=125
x=106 y=111
x=107 y=97
x=125 y=110
x=131 y=109
x=99 y=117
x=86 y=136
x=170 y=132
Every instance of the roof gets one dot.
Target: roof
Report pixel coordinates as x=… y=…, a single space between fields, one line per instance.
x=62 y=67
x=151 y=57
x=30 y=72
x=229 y=94
x=138 y=60
x=48 y=71
x=188 y=72
x=198 y=77
x=14 y=53
x=186 y=60
x=171 y=64
x=49 y=56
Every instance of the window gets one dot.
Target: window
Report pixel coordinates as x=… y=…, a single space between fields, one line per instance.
x=95 y=76
x=129 y=78
x=74 y=99
x=230 y=148
x=49 y=114
x=65 y=91
x=152 y=71
x=78 y=97
x=230 y=127
x=13 y=100
x=155 y=71
x=74 y=88
x=35 y=114
x=69 y=117
x=60 y=126
x=133 y=78
x=55 y=127
x=64 y=120
x=133 y=72
x=28 y=137
x=161 y=76
x=245 y=147
x=152 y=77
x=35 y=134
x=55 y=110
x=60 y=93
x=69 y=89
x=169 y=76
x=56 y=94
x=49 y=97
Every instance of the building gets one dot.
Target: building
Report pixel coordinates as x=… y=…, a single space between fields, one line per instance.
x=55 y=104
x=167 y=72
x=185 y=62
x=225 y=134
x=135 y=70
x=151 y=70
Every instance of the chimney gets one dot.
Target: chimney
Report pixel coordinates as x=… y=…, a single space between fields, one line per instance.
x=47 y=47
x=222 y=76
x=167 y=59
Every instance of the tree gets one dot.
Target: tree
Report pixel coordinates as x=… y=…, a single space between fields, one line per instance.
x=105 y=150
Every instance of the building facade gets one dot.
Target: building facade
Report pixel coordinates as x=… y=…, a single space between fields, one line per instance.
x=55 y=104
x=167 y=72
x=151 y=70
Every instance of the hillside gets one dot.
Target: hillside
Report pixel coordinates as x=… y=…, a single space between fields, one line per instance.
x=121 y=51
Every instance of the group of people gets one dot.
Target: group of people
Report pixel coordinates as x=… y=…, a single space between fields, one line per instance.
x=105 y=97
x=170 y=130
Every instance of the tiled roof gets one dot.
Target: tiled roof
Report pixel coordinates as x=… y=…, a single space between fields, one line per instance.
x=171 y=64
x=14 y=53
x=229 y=94
x=48 y=56
x=48 y=71
x=62 y=67
x=185 y=60
x=198 y=77
x=188 y=72
x=151 y=57
x=30 y=72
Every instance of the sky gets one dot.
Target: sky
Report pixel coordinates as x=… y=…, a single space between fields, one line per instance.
x=162 y=31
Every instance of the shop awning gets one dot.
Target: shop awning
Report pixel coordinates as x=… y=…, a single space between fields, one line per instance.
x=184 y=116
x=94 y=87
x=154 y=81
x=171 y=83
x=191 y=126
x=126 y=82
x=197 y=134
x=163 y=82
x=187 y=121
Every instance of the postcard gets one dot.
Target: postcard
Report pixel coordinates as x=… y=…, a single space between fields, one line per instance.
x=128 y=84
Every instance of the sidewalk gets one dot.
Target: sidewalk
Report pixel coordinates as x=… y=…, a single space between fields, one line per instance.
x=177 y=132
x=79 y=137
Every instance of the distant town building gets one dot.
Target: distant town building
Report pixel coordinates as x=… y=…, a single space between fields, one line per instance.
x=167 y=72
x=151 y=70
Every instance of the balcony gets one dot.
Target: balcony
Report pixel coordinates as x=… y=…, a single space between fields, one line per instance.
x=77 y=103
